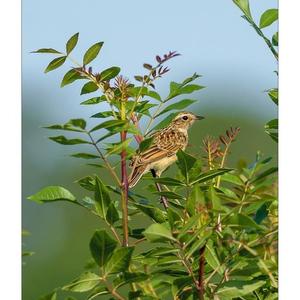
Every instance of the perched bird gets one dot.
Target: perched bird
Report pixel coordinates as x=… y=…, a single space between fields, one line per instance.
x=165 y=144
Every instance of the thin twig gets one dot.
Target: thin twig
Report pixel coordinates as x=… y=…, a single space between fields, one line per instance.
x=113 y=291
x=108 y=165
x=164 y=200
x=267 y=41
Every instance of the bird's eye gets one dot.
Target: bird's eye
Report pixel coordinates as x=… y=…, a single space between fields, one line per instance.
x=185 y=118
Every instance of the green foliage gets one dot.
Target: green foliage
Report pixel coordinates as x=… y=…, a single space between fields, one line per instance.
x=86 y=282
x=244 y=7
x=216 y=235
x=119 y=261
x=102 y=247
x=110 y=73
x=52 y=193
x=71 y=43
x=267 y=18
x=92 y=53
x=55 y=63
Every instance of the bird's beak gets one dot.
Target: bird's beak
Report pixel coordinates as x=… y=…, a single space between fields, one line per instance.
x=199 y=118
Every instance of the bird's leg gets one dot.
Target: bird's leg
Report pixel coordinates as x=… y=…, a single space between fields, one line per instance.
x=163 y=199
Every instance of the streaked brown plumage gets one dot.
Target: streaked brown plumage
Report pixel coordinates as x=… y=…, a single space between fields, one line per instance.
x=162 y=152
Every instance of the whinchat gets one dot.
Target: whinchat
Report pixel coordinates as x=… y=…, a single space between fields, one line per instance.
x=165 y=144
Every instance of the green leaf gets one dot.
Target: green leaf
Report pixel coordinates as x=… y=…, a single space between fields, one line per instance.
x=51 y=296
x=264 y=174
x=64 y=141
x=47 y=50
x=141 y=107
x=268 y=17
x=210 y=175
x=109 y=73
x=145 y=144
x=89 y=87
x=153 y=212
x=185 y=163
x=52 y=193
x=110 y=125
x=275 y=39
x=103 y=114
x=173 y=217
x=117 y=148
x=176 y=89
x=138 y=91
x=87 y=182
x=244 y=7
x=92 y=53
x=27 y=253
x=169 y=181
x=102 y=247
x=232 y=178
x=261 y=213
x=127 y=277
x=109 y=134
x=85 y=155
x=178 y=106
x=55 y=63
x=273 y=94
x=182 y=88
x=71 y=76
x=273 y=124
x=120 y=260
x=214 y=199
x=212 y=258
x=179 y=284
x=242 y=221
x=71 y=43
x=158 y=233
x=86 y=282
x=199 y=243
x=273 y=135
x=77 y=125
x=189 y=225
x=136 y=294
x=112 y=215
x=94 y=100
x=102 y=198
x=233 y=289
x=195 y=199
x=154 y=95
x=165 y=122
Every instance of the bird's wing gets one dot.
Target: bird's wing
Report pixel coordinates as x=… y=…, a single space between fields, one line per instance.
x=165 y=144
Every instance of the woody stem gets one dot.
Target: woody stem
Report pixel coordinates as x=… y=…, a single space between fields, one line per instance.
x=164 y=200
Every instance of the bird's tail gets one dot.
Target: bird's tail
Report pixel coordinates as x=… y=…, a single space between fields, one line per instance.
x=136 y=175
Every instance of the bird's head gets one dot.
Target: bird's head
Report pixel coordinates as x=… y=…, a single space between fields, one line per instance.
x=185 y=119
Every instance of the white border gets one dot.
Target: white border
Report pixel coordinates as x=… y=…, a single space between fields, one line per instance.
x=289 y=149
x=10 y=213
x=10 y=136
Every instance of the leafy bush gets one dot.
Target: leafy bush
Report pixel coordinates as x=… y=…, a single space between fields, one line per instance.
x=213 y=229
x=267 y=18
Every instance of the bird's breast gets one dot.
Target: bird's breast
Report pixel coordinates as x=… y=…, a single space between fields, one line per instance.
x=163 y=163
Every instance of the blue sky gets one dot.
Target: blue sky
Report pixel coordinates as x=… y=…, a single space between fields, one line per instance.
x=214 y=41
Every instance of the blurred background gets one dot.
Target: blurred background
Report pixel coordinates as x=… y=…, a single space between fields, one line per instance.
x=236 y=65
